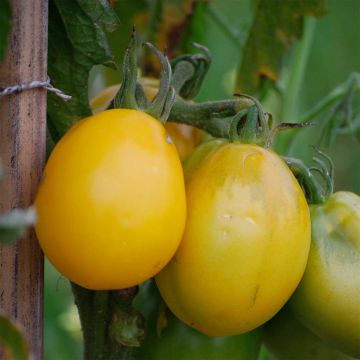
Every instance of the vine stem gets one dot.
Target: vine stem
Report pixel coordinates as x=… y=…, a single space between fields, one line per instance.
x=297 y=71
x=96 y=310
x=93 y=312
x=291 y=92
x=335 y=95
x=213 y=117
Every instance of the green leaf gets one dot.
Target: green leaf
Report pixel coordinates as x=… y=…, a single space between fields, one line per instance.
x=101 y=13
x=168 y=24
x=13 y=224
x=5 y=25
x=13 y=341
x=276 y=25
x=76 y=44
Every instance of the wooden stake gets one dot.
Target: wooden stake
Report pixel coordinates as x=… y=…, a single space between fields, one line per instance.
x=22 y=151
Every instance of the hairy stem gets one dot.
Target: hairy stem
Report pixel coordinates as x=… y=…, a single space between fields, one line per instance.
x=212 y=117
x=96 y=309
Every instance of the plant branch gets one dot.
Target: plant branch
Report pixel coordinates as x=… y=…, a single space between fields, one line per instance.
x=292 y=89
x=336 y=95
x=99 y=315
x=213 y=117
x=301 y=55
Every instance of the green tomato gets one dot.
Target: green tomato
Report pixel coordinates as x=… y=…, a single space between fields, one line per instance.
x=327 y=300
x=287 y=339
x=169 y=338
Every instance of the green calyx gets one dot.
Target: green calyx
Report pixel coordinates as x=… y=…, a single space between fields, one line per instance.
x=131 y=94
x=190 y=71
x=316 y=192
x=184 y=76
x=250 y=125
x=180 y=80
x=254 y=126
x=242 y=119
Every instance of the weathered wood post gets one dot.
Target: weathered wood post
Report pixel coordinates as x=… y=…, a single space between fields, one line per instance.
x=22 y=150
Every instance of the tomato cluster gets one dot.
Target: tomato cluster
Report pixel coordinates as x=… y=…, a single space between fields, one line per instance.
x=228 y=234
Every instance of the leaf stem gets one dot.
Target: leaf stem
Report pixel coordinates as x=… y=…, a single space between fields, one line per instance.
x=335 y=95
x=301 y=55
x=291 y=92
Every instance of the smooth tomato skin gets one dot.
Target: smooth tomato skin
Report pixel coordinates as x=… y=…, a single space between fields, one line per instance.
x=328 y=297
x=245 y=243
x=185 y=137
x=111 y=207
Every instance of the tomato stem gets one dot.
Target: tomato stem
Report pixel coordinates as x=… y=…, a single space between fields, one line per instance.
x=249 y=132
x=213 y=117
x=102 y=326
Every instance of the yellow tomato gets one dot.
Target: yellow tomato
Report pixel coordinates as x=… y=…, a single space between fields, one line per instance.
x=246 y=240
x=111 y=206
x=185 y=137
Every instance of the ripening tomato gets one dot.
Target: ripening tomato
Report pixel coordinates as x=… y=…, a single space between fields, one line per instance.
x=185 y=137
x=246 y=240
x=328 y=297
x=111 y=206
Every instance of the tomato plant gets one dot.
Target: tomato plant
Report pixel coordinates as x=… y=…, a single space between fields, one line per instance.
x=185 y=137
x=327 y=299
x=111 y=206
x=97 y=221
x=246 y=240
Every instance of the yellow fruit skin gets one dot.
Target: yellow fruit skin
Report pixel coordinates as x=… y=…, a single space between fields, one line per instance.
x=185 y=137
x=111 y=206
x=245 y=244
